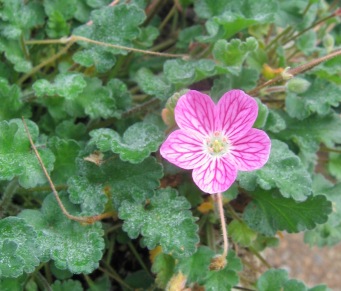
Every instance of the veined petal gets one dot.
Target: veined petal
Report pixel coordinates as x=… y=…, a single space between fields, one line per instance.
x=195 y=111
x=216 y=176
x=236 y=113
x=184 y=149
x=252 y=151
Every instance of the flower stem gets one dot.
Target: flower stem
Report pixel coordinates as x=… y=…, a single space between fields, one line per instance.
x=8 y=194
x=223 y=223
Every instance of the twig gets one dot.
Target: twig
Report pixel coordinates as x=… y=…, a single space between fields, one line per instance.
x=296 y=71
x=83 y=219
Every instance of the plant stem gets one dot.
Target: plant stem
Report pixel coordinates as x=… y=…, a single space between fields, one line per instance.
x=112 y=273
x=9 y=192
x=296 y=71
x=167 y=18
x=259 y=256
x=139 y=259
x=84 y=219
x=223 y=223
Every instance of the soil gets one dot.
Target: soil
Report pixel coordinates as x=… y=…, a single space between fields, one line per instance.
x=312 y=265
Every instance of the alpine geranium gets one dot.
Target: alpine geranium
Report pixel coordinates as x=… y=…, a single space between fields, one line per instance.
x=216 y=140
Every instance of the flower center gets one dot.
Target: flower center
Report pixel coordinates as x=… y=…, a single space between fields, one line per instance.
x=217 y=144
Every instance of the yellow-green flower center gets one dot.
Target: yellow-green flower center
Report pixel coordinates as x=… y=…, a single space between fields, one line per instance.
x=217 y=144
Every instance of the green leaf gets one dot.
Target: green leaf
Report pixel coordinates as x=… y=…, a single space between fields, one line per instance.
x=71 y=245
x=67 y=285
x=152 y=84
x=263 y=113
x=307 y=42
x=139 y=280
x=57 y=26
x=91 y=196
x=188 y=35
x=196 y=267
x=226 y=18
x=241 y=233
x=165 y=221
x=12 y=284
x=118 y=25
x=163 y=267
x=122 y=180
x=19 y=248
x=65 y=152
x=67 y=129
x=68 y=86
x=284 y=170
x=329 y=233
x=277 y=279
x=20 y=17
x=11 y=104
x=66 y=8
x=246 y=79
x=334 y=165
x=233 y=53
x=274 y=122
x=322 y=129
x=226 y=278
x=268 y=213
x=15 y=55
x=16 y=156
x=317 y=99
x=272 y=280
x=184 y=73
x=329 y=70
x=136 y=144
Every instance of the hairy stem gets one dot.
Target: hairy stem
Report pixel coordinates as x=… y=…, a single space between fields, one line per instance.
x=223 y=223
x=84 y=219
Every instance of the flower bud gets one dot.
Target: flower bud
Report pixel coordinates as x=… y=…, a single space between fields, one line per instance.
x=328 y=42
x=286 y=75
x=298 y=85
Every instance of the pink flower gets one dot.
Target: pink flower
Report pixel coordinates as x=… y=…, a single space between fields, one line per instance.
x=216 y=140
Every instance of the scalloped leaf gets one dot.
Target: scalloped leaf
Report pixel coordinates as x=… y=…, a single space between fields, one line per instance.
x=65 y=85
x=90 y=196
x=118 y=25
x=302 y=105
x=164 y=221
x=11 y=104
x=65 y=152
x=120 y=180
x=184 y=73
x=136 y=144
x=226 y=18
x=284 y=170
x=277 y=279
x=163 y=267
x=71 y=245
x=268 y=213
x=16 y=156
x=233 y=53
x=19 y=248
x=241 y=233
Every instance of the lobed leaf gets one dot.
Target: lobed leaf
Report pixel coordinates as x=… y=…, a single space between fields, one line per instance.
x=19 y=247
x=268 y=213
x=16 y=157
x=164 y=221
x=71 y=245
x=284 y=170
x=136 y=144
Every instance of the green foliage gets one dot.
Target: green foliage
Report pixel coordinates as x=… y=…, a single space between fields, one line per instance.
x=136 y=144
x=284 y=171
x=16 y=157
x=164 y=221
x=19 y=247
x=72 y=246
x=278 y=280
x=117 y=25
x=98 y=92
x=269 y=212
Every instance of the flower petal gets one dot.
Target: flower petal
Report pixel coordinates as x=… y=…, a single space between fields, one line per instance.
x=216 y=176
x=236 y=113
x=252 y=151
x=195 y=111
x=184 y=149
